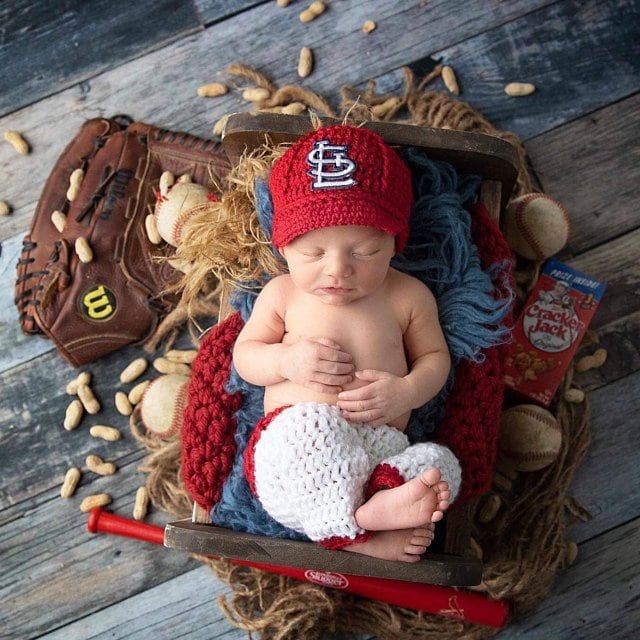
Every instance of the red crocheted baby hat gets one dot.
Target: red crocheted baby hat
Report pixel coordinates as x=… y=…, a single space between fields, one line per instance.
x=340 y=175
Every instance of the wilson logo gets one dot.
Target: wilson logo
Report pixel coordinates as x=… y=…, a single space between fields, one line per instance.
x=98 y=303
x=333 y=580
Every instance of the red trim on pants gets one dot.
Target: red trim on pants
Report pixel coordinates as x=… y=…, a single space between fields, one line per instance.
x=384 y=476
x=249 y=465
x=338 y=542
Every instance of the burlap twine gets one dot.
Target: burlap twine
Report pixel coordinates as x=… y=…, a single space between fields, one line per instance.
x=523 y=547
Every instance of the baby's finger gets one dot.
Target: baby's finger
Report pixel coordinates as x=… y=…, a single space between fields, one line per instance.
x=361 y=394
x=372 y=417
x=336 y=368
x=356 y=406
x=331 y=379
x=334 y=355
x=330 y=344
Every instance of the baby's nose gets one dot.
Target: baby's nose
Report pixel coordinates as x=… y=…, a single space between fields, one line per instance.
x=339 y=266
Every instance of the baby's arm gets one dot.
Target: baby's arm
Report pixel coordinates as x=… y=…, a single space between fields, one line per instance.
x=388 y=396
x=261 y=358
x=427 y=351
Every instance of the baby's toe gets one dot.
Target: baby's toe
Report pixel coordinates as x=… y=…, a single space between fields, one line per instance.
x=424 y=543
x=422 y=540
x=431 y=477
x=441 y=487
x=409 y=557
x=415 y=549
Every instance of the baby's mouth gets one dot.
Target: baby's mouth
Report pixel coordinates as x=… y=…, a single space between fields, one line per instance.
x=337 y=290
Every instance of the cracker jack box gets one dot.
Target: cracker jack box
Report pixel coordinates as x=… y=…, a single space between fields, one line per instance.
x=549 y=330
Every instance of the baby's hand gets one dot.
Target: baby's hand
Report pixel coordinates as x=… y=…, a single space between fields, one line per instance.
x=385 y=398
x=318 y=364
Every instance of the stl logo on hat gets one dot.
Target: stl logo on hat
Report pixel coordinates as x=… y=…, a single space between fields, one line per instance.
x=330 y=166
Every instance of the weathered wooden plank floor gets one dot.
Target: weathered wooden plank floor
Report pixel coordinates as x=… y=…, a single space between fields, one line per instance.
x=64 y=62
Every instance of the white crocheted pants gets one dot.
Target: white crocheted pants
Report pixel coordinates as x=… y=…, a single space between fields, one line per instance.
x=311 y=468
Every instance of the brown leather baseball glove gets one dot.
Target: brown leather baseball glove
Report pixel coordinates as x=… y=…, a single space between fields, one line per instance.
x=93 y=299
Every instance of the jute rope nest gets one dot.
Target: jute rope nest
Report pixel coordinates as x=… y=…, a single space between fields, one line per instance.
x=523 y=547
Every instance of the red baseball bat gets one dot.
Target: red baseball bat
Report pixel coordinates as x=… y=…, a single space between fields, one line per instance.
x=445 y=601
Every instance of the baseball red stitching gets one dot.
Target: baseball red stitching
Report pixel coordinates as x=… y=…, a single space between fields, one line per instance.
x=178 y=411
x=183 y=217
x=544 y=419
x=522 y=228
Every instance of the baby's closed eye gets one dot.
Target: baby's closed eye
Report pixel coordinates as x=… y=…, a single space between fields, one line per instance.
x=363 y=255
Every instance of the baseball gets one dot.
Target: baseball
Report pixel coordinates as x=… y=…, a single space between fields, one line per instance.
x=530 y=437
x=172 y=210
x=163 y=404
x=536 y=226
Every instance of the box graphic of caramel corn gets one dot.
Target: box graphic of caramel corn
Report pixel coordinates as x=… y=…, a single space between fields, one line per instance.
x=549 y=330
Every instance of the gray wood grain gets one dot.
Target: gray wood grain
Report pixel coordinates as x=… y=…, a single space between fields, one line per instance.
x=406 y=32
x=35 y=449
x=615 y=263
x=212 y=11
x=15 y=347
x=584 y=59
x=69 y=572
x=602 y=150
x=616 y=320
x=621 y=339
x=178 y=71
x=612 y=456
x=535 y=48
x=52 y=46
x=596 y=597
x=183 y=607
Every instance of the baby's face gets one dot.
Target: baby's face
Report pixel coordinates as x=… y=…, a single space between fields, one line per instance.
x=340 y=264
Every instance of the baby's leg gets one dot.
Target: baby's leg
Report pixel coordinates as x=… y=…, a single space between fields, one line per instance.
x=433 y=482
x=309 y=471
x=406 y=545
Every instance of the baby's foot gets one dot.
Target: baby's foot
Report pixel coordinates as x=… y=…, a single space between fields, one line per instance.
x=405 y=545
x=419 y=501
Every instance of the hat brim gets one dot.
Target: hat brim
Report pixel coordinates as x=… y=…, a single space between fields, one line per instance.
x=355 y=209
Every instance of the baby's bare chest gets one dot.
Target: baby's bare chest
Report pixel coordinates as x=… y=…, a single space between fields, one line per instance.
x=371 y=331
